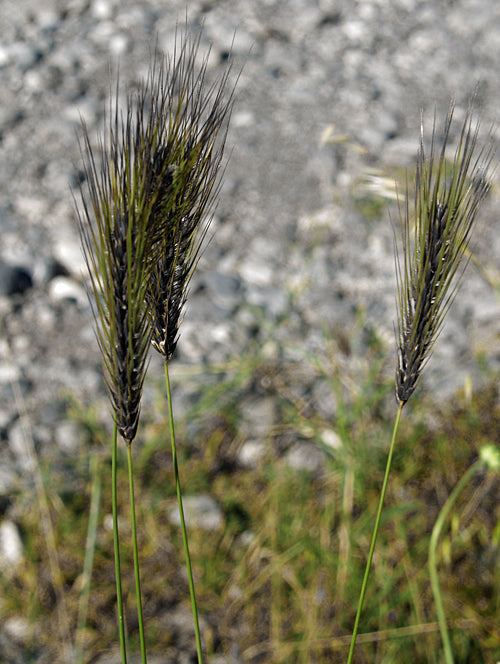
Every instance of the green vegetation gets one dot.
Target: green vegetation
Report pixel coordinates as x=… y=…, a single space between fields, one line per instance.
x=281 y=576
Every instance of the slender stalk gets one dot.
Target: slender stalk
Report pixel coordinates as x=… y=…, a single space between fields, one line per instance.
x=183 y=523
x=374 y=535
x=436 y=531
x=116 y=540
x=136 y=555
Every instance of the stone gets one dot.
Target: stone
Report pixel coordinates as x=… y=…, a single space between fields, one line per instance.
x=8 y=481
x=225 y=290
x=68 y=436
x=251 y=453
x=63 y=288
x=11 y=545
x=18 y=629
x=14 y=279
x=305 y=456
x=68 y=252
x=258 y=416
x=200 y=511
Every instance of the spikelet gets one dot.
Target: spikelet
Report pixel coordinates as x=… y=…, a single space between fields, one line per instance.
x=185 y=167
x=434 y=242
x=118 y=239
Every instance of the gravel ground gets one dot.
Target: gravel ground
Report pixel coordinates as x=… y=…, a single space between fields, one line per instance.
x=327 y=112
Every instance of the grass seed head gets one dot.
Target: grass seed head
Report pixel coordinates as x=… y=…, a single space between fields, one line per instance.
x=434 y=242
x=145 y=211
x=186 y=166
x=119 y=195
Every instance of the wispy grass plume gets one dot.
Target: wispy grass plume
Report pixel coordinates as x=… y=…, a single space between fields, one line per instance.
x=117 y=243
x=187 y=165
x=434 y=243
x=435 y=239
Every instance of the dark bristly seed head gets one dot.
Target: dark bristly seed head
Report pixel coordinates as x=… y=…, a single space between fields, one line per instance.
x=144 y=215
x=185 y=169
x=447 y=198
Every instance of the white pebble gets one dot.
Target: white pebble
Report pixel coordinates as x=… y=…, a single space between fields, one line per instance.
x=63 y=288
x=11 y=546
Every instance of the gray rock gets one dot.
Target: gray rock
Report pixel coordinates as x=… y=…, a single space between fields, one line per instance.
x=21 y=54
x=324 y=398
x=62 y=289
x=68 y=253
x=14 y=279
x=8 y=479
x=256 y=271
x=68 y=436
x=21 y=447
x=8 y=372
x=274 y=301
x=18 y=629
x=305 y=456
x=223 y=289
x=258 y=416
x=12 y=653
x=252 y=452
x=199 y=512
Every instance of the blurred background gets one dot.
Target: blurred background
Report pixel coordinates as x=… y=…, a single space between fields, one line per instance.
x=283 y=373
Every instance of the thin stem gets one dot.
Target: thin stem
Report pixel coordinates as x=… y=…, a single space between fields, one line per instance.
x=136 y=555
x=436 y=531
x=374 y=536
x=116 y=540
x=183 y=524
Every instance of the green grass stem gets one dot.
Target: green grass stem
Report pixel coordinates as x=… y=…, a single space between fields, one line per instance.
x=136 y=555
x=116 y=541
x=181 y=514
x=436 y=531
x=374 y=536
